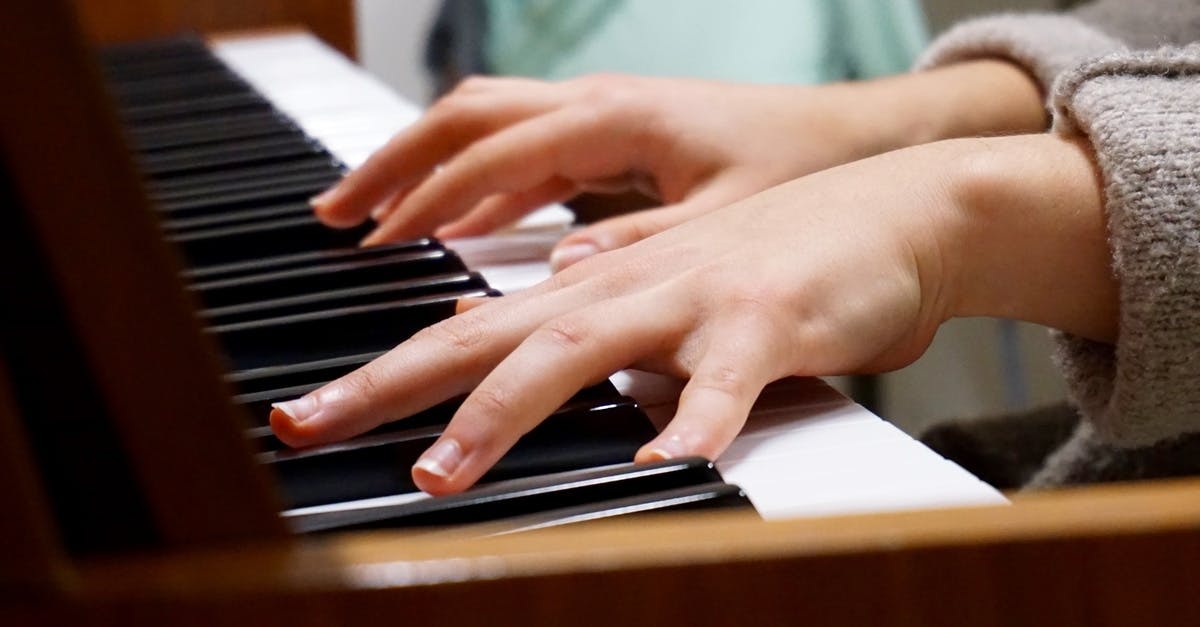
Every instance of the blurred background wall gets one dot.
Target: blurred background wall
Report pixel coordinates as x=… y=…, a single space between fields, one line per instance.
x=391 y=33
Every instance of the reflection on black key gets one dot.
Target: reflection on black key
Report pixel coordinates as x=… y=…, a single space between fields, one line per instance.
x=244 y=194
x=173 y=161
x=220 y=104
x=217 y=128
x=335 y=333
x=312 y=164
x=381 y=464
x=305 y=259
x=258 y=240
x=715 y=495
x=370 y=294
x=516 y=497
x=205 y=218
x=296 y=373
x=299 y=281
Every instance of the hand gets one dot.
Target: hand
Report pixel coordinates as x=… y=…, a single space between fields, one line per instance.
x=496 y=149
x=848 y=270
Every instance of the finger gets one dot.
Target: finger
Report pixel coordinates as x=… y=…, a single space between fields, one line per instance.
x=504 y=209
x=442 y=361
x=562 y=356
x=463 y=305
x=738 y=363
x=414 y=152
x=381 y=211
x=614 y=233
x=621 y=231
x=576 y=144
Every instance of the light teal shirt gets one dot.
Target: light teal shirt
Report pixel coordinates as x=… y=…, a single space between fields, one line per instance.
x=762 y=41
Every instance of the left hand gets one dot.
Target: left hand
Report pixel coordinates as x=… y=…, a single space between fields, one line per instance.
x=847 y=270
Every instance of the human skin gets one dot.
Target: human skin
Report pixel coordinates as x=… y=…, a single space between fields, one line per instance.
x=847 y=270
x=497 y=148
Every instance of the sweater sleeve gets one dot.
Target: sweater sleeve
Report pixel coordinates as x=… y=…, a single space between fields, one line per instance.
x=1044 y=45
x=1139 y=111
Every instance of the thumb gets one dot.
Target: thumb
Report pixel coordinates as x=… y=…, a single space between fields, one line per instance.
x=614 y=233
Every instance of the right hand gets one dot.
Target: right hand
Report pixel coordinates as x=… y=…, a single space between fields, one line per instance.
x=497 y=148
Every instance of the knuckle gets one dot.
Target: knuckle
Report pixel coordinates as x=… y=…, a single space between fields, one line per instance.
x=472 y=84
x=612 y=92
x=461 y=333
x=491 y=402
x=566 y=332
x=723 y=379
x=365 y=382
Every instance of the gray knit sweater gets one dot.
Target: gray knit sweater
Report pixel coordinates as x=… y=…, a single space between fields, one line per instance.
x=1123 y=75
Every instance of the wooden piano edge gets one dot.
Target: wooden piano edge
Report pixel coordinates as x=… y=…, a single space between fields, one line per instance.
x=1094 y=556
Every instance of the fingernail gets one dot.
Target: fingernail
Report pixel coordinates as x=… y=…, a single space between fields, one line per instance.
x=322 y=199
x=380 y=212
x=442 y=459
x=300 y=409
x=564 y=256
x=371 y=239
x=670 y=448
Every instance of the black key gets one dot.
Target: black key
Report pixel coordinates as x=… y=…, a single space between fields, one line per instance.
x=306 y=259
x=716 y=495
x=166 y=88
x=219 y=104
x=287 y=236
x=158 y=48
x=218 y=128
x=309 y=373
x=250 y=174
x=205 y=218
x=179 y=200
x=391 y=291
x=399 y=266
x=329 y=334
x=229 y=204
x=149 y=67
x=516 y=497
x=283 y=145
x=379 y=465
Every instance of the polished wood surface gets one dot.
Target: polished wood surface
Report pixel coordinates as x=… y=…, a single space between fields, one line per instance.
x=33 y=560
x=114 y=21
x=134 y=340
x=1104 y=556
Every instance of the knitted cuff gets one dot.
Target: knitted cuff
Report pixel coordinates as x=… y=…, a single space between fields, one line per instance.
x=1045 y=45
x=1139 y=111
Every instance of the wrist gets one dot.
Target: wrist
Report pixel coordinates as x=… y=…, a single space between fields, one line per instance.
x=982 y=97
x=1032 y=240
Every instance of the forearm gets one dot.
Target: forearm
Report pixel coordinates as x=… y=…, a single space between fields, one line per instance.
x=973 y=98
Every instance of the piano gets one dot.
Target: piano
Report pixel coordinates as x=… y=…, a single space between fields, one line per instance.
x=215 y=544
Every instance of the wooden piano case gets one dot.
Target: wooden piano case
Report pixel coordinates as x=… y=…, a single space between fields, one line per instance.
x=130 y=498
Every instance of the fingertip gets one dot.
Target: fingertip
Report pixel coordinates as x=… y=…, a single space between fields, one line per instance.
x=288 y=430
x=567 y=254
x=662 y=448
x=374 y=238
x=333 y=215
x=466 y=304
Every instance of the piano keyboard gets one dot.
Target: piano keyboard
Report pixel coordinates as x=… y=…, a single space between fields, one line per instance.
x=294 y=305
x=806 y=450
